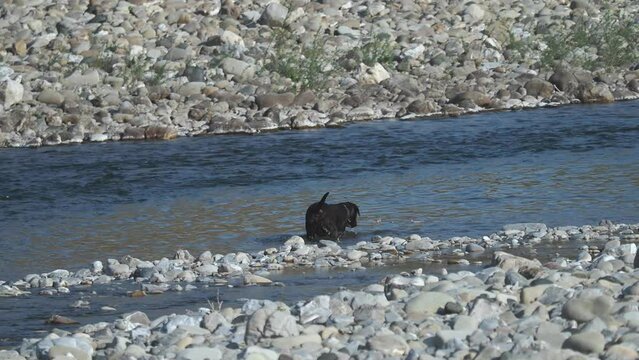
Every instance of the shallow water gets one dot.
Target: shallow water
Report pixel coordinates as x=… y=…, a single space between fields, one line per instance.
x=65 y=206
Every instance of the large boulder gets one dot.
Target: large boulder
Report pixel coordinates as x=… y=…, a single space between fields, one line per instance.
x=539 y=88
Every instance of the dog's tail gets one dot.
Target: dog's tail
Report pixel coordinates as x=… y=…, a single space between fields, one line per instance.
x=321 y=202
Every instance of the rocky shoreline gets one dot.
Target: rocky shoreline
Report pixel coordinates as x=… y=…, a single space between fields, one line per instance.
x=110 y=70
x=579 y=308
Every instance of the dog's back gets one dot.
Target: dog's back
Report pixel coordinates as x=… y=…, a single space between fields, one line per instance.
x=330 y=220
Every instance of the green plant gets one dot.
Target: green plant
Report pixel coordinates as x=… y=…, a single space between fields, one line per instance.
x=378 y=49
x=158 y=75
x=613 y=38
x=307 y=65
x=519 y=48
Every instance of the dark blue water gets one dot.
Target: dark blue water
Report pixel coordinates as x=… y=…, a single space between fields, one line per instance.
x=65 y=206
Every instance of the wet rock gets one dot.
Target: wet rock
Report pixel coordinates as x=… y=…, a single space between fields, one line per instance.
x=420 y=106
x=250 y=279
x=160 y=133
x=61 y=320
x=11 y=291
x=119 y=271
x=476 y=97
x=474 y=248
x=595 y=93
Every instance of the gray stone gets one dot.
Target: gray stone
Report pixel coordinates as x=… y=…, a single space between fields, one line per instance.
x=450 y=339
x=89 y=78
x=200 y=353
x=564 y=79
x=472 y=247
x=423 y=106
x=119 y=271
x=420 y=245
x=271 y=100
x=539 y=88
x=586 y=342
x=391 y=345
x=583 y=310
x=191 y=88
x=511 y=262
x=620 y=352
x=62 y=350
x=13 y=93
x=242 y=70
x=531 y=294
x=478 y=98
x=595 y=93
x=294 y=341
x=11 y=355
x=316 y=311
x=258 y=353
x=427 y=303
x=274 y=14
x=51 y=97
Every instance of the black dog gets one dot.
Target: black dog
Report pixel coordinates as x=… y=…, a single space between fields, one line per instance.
x=329 y=221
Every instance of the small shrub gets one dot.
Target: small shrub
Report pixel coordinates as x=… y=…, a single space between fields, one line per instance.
x=159 y=74
x=134 y=68
x=378 y=49
x=613 y=38
x=308 y=66
x=519 y=48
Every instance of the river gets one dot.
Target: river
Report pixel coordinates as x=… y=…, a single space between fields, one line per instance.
x=65 y=206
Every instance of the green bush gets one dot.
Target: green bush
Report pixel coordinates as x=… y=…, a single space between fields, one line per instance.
x=378 y=49
x=309 y=66
x=614 y=39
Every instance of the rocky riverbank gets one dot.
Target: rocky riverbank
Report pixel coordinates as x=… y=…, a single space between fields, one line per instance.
x=577 y=307
x=84 y=70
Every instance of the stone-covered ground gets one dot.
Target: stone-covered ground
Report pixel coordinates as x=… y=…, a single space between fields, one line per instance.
x=97 y=70
x=581 y=307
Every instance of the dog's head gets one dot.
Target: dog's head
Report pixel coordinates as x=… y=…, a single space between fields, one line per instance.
x=352 y=212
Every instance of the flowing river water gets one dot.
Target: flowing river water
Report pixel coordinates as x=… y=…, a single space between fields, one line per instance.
x=65 y=206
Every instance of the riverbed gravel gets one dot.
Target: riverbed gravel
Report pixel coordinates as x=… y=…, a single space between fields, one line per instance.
x=575 y=307
x=92 y=71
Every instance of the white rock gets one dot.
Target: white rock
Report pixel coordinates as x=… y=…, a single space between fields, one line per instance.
x=414 y=53
x=13 y=93
x=231 y=38
x=372 y=75
x=200 y=353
